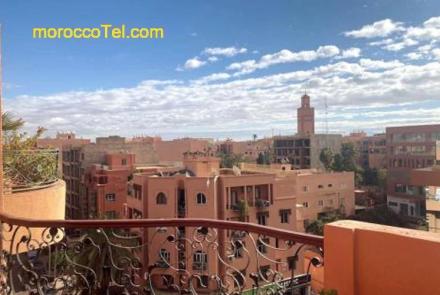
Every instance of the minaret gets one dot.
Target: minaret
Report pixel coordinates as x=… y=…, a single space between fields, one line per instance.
x=306 y=117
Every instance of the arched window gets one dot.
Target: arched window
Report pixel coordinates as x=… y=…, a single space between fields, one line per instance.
x=161 y=199
x=201 y=198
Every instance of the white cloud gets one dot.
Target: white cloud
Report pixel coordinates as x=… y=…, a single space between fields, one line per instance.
x=381 y=42
x=429 y=31
x=193 y=63
x=436 y=53
x=381 y=28
x=414 y=55
x=281 y=57
x=212 y=58
x=226 y=51
x=350 y=53
x=212 y=77
x=400 y=45
x=370 y=64
x=223 y=104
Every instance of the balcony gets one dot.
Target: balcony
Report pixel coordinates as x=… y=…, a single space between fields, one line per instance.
x=29 y=169
x=262 y=204
x=108 y=257
x=360 y=258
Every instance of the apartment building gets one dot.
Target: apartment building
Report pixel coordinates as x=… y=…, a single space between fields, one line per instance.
x=249 y=149
x=200 y=189
x=317 y=193
x=106 y=186
x=61 y=140
x=371 y=149
x=408 y=148
x=79 y=159
x=303 y=149
x=171 y=151
x=429 y=180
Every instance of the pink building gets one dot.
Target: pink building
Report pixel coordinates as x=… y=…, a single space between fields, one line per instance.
x=106 y=186
x=202 y=190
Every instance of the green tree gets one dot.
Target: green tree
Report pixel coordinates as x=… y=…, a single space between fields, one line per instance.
x=337 y=164
x=230 y=160
x=9 y=123
x=317 y=226
x=326 y=157
x=263 y=158
x=348 y=154
x=382 y=215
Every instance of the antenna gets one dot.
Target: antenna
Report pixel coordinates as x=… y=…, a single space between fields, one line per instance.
x=326 y=115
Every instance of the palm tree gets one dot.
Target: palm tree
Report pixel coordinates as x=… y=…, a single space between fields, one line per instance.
x=9 y=123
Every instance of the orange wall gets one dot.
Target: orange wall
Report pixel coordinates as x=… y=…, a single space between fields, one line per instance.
x=365 y=259
x=45 y=203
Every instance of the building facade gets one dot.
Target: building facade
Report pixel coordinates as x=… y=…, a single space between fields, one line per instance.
x=429 y=180
x=317 y=193
x=202 y=190
x=408 y=148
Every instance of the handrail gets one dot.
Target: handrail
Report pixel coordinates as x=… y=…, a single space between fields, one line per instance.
x=283 y=234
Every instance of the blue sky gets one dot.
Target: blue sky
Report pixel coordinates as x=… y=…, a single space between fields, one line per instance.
x=224 y=68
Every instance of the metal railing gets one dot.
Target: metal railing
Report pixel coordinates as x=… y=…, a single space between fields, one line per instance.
x=27 y=169
x=107 y=257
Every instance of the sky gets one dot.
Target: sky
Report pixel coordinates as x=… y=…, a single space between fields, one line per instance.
x=229 y=68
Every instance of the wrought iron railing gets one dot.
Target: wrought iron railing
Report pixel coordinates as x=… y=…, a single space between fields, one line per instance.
x=153 y=256
x=25 y=169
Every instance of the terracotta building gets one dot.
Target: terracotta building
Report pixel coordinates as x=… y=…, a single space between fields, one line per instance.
x=408 y=148
x=303 y=149
x=429 y=180
x=105 y=186
x=171 y=151
x=78 y=159
x=200 y=189
x=371 y=149
x=317 y=192
x=62 y=140
x=249 y=149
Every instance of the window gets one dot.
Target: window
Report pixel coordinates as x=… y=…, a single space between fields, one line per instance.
x=320 y=203
x=262 y=218
x=201 y=198
x=306 y=204
x=164 y=256
x=330 y=185
x=341 y=201
x=110 y=197
x=264 y=272
x=284 y=215
x=262 y=245
x=238 y=248
x=161 y=199
x=200 y=260
x=124 y=162
x=234 y=198
x=203 y=282
x=320 y=186
x=305 y=188
x=291 y=261
x=394 y=204
x=239 y=278
x=137 y=191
